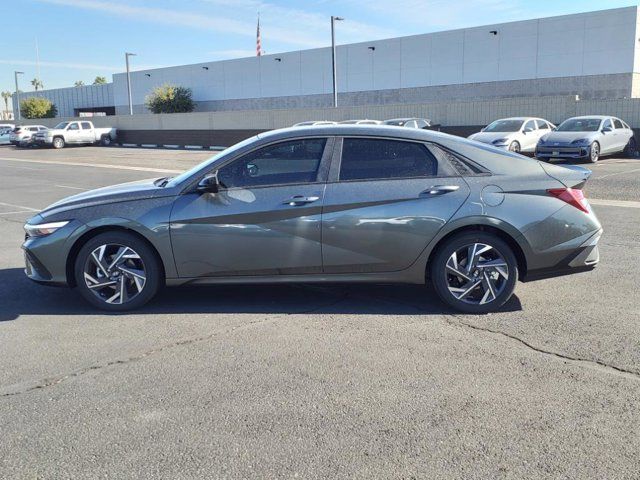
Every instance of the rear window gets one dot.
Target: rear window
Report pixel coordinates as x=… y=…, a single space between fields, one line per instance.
x=376 y=159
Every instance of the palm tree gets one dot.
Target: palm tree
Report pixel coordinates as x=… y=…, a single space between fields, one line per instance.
x=6 y=96
x=78 y=83
x=100 y=80
x=37 y=83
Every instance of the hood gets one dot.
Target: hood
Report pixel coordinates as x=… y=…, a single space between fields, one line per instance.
x=565 y=138
x=124 y=192
x=490 y=137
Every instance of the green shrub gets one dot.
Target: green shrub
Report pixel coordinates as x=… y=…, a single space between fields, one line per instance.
x=37 y=107
x=170 y=99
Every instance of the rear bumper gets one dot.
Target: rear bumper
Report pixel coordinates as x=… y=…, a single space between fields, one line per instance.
x=581 y=259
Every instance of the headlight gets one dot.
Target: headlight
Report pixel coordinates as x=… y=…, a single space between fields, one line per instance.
x=500 y=141
x=44 y=228
x=581 y=141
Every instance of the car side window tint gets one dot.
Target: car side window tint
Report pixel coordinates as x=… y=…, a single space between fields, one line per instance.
x=295 y=161
x=74 y=126
x=617 y=123
x=607 y=124
x=86 y=126
x=530 y=124
x=542 y=125
x=371 y=159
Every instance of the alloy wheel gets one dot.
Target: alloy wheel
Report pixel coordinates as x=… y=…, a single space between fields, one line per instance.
x=595 y=152
x=115 y=273
x=476 y=274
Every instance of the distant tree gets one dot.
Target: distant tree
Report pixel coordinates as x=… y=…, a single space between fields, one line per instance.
x=78 y=83
x=6 y=96
x=100 y=80
x=37 y=107
x=170 y=99
x=37 y=84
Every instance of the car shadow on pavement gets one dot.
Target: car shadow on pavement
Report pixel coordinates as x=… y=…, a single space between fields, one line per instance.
x=19 y=296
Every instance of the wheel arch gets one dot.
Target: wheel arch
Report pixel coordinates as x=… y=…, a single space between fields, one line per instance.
x=94 y=232
x=504 y=231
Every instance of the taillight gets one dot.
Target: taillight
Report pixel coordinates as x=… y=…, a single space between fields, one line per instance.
x=573 y=197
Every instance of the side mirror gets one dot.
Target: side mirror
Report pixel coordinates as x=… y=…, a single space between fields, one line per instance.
x=209 y=184
x=483 y=129
x=607 y=129
x=527 y=130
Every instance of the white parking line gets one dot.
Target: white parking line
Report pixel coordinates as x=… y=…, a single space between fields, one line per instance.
x=72 y=188
x=96 y=165
x=615 y=203
x=614 y=174
x=20 y=206
x=17 y=211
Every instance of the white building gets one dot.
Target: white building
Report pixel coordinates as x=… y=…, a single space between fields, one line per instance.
x=594 y=55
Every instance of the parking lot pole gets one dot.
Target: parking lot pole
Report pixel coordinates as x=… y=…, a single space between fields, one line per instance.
x=126 y=58
x=15 y=75
x=333 y=58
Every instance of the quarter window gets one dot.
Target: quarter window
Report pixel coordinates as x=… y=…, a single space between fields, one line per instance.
x=292 y=162
x=369 y=159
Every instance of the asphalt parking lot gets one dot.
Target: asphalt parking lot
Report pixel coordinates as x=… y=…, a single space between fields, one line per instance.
x=315 y=381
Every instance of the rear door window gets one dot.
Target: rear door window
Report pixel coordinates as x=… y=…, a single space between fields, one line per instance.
x=542 y=125
x=617 y=123
x=382 y=159
x=86 y=126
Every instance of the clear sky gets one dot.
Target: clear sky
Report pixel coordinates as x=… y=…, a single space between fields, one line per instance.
x=79 y=39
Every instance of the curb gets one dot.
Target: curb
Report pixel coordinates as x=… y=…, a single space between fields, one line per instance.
x=168 y=147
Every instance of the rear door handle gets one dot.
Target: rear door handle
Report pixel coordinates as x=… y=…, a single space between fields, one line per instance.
x=438 y=190
x=298 y=200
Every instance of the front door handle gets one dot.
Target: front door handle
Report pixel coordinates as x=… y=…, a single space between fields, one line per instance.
x=439 y=190
x=298 y=200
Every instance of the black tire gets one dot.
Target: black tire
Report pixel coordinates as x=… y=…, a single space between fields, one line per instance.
x=148 y=257
x=106 y=140
x=57 y=143
x=594 y=153
x=440 y=275
x=514 y=147
x=630 y=149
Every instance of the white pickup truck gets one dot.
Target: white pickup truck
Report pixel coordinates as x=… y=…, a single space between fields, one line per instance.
x=75 y=133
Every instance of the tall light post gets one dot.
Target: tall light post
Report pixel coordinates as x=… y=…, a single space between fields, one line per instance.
x=15 y=75
x=333 y=58
x=126 y=58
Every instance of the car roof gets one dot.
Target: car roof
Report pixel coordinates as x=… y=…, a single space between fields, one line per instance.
x=601 y=117
x=406 y=119
x=355 y=130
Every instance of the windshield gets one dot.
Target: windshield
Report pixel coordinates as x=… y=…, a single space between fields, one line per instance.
x=580 y=125
x=61 y=126
x=224 y=153
x=505 y=126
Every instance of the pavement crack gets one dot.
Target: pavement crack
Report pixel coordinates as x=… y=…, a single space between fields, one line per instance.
x=585 y=362
x=53 y=381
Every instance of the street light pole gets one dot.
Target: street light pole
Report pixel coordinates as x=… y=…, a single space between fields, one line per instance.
x=126 y=58
x=15 y=75
x=333 y=58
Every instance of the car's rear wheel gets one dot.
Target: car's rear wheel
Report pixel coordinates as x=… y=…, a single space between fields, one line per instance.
x=106 y=140
x=117 y=271
x=474 y=272
x=630 y=149
x=514 y=146
x=58 y=142
x=594 y=152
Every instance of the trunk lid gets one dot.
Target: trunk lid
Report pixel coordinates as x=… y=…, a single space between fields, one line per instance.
x=571 y=176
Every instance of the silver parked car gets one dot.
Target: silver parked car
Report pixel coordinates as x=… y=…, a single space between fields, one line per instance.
x=24 y=132
x=360 y=122
x=410 y=122
x=338 y=203
x=587 y=138
x=517 y=134
x=314 y=123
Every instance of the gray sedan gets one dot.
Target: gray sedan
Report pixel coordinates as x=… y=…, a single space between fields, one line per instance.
x=337 y=203
x=587 y=138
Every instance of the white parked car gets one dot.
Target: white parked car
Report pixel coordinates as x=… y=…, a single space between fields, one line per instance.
x=313 y=123
x=24 y=132
x=78 y=133
x=412 y=122
x=517 y=134
x=587 y=138
x=360 y=122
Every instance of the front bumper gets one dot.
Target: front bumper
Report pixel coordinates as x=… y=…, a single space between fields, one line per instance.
x=43 y=140
x=571 y=152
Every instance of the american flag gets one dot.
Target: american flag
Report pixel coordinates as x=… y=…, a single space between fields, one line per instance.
x=258 y=40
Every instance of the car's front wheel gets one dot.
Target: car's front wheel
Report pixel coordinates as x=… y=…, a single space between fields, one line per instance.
x=58 y=142
x=117 y=271
x=514 y=146
x=474 y=272
x=594 y=152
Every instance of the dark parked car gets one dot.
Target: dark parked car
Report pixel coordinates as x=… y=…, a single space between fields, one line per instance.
x=325 y=204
